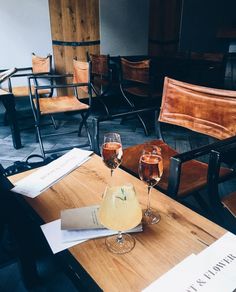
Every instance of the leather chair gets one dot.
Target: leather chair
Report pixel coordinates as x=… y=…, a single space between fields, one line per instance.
x=40 y=65
x=137 y=86
x=204 y=110
x=101 y=77
x=63 y=103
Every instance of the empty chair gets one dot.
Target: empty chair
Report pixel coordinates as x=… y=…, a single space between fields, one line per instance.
x=63 y=103
x=204 y=110
x=40 y=65
x=137 y=86
x=101 y=77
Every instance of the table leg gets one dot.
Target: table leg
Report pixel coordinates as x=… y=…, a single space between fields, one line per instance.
x=9 y=104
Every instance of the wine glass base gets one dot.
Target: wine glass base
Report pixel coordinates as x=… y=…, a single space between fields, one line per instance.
x=126 y=244
x=150 y=216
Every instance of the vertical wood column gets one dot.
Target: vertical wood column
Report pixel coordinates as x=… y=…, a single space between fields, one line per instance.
x=164 y=26
x=75 y=30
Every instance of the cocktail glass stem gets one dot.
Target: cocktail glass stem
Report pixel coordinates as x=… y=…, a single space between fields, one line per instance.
x=120 y=237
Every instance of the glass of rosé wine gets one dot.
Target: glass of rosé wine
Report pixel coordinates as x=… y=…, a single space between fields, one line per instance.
x=112 y=152
x=150 y=171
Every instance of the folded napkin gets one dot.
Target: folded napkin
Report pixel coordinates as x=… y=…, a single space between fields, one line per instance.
x=37 y=182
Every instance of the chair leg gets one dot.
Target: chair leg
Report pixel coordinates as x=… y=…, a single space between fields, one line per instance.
x=54 y=123
x=84 y=119
x=143 y=124
x=105 y=106
x=84 y=123
x=133 y=108
x=38 y=132
x=203 y=205
x=99 y=95
x=5 y=119
x=88 y=134
x=80 y=126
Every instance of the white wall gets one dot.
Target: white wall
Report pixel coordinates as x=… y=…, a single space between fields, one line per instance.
x=124 y=27
x=25 y=28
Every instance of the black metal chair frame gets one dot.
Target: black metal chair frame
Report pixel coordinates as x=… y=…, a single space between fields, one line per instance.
x=36 y=108
x=107 y=77
x=225 y=154
x=125 y=84
x=97 y=120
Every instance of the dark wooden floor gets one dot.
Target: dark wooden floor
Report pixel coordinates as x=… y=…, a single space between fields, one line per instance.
x=131 y=134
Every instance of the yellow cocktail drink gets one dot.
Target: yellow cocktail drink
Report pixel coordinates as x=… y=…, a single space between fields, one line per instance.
x=120 y=209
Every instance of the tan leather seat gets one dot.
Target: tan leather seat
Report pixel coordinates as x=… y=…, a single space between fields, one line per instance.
x=204 y=110
x=193 y=175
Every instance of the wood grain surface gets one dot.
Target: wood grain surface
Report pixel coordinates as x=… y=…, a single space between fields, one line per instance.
x=158 y=248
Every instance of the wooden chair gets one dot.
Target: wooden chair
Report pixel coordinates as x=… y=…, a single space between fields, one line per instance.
x=61 y=103
x=218 y=157
x=137 y=86
x=101 y=77
x=204 y=110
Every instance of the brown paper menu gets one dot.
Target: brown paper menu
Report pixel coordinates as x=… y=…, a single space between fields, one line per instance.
x=81 y=218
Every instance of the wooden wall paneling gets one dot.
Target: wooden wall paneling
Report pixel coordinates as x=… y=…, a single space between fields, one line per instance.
x=73 y=23
x=164 y=26
x=56 y=33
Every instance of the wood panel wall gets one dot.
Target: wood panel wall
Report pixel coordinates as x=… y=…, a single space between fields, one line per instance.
x=164 y=26
x=73 y=24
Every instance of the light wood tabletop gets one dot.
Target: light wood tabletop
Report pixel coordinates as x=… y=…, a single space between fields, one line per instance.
x=158 y=248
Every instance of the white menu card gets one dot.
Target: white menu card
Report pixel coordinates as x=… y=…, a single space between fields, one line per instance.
x=212 y=270
x=37 y=182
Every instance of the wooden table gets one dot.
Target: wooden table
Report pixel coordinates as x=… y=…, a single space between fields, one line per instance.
x=158 y=248
x=8 y=101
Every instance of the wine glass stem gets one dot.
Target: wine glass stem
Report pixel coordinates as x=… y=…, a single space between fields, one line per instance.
x=119 y=238
x=149 y=195
x=112 y=170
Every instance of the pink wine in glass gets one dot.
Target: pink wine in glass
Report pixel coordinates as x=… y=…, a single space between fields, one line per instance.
x=150 y=172
x=112 y=154
x=150 y=169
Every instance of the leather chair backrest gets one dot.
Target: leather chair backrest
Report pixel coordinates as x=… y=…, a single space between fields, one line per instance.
x=137 y=71
x=100 y=64
x=81 y=73
x=41 y=64
x=201 y=109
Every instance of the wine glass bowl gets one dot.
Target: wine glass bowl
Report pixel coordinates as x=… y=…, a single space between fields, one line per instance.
x=112 y=151
x=120 y=211
x=150 y=171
